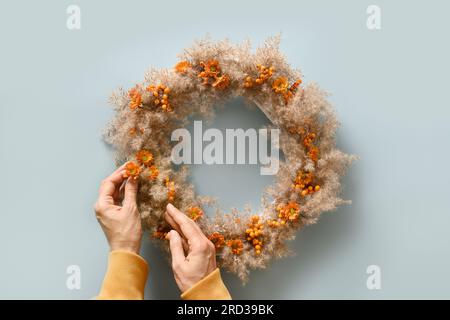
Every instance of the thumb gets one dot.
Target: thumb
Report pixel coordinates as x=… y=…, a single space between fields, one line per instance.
x=176 y=248
x=131 y=188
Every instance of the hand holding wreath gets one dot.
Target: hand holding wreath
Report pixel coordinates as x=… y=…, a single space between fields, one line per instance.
x=193 y=255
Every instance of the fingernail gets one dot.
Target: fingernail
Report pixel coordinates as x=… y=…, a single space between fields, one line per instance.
x=170 y=207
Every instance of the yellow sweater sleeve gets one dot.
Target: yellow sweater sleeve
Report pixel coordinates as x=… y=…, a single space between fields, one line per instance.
x=210 y=287
x=125 y=277
x=127 y=274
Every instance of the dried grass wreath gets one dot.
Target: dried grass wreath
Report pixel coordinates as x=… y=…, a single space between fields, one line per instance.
x=209 y=73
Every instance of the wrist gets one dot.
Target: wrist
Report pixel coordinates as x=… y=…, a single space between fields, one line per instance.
x=130 y=247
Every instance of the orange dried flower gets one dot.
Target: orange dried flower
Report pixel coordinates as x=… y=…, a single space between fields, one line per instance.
x=308 y=142
x=222 y=82
x=170 y=189
x=135 y=98
x=161 y=233
x=295 y=85
x=217 y=239
x=235 y=245
x=280 y=84
x=288 y=94
x=313 y=153
x=211 y=68
x=182 y=66
x=132 y=170
x=211 y=71
x=154 y=172
x=144 y=157
x=134 y=130
x=195 y=213
x=289 y=212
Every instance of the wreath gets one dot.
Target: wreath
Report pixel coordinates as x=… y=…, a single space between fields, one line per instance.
x=208 y=74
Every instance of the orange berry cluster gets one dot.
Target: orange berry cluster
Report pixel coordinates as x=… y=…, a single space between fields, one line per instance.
x=195 y=213
x=135 y=98
x=264 y=74
x=254 y=233
x=211 y=74
x=170 y=189
x=217 y=239
x=304 y=183
x=274 y=223
x=235 y=245
x=160 y=96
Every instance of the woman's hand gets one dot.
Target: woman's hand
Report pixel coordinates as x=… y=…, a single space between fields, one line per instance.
x=117 y=212
x=193 y=255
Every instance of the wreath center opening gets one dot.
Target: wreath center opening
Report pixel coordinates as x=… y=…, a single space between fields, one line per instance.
x=234 y=157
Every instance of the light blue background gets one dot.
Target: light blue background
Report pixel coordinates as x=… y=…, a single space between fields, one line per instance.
x=390 y=88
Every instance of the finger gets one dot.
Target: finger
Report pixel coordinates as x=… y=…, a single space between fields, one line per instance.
x=120 y=168
x=108 y=189
x=174 y=225
x=188 y=227
x=112 y=182
x=131 y=188
x=176 y=248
